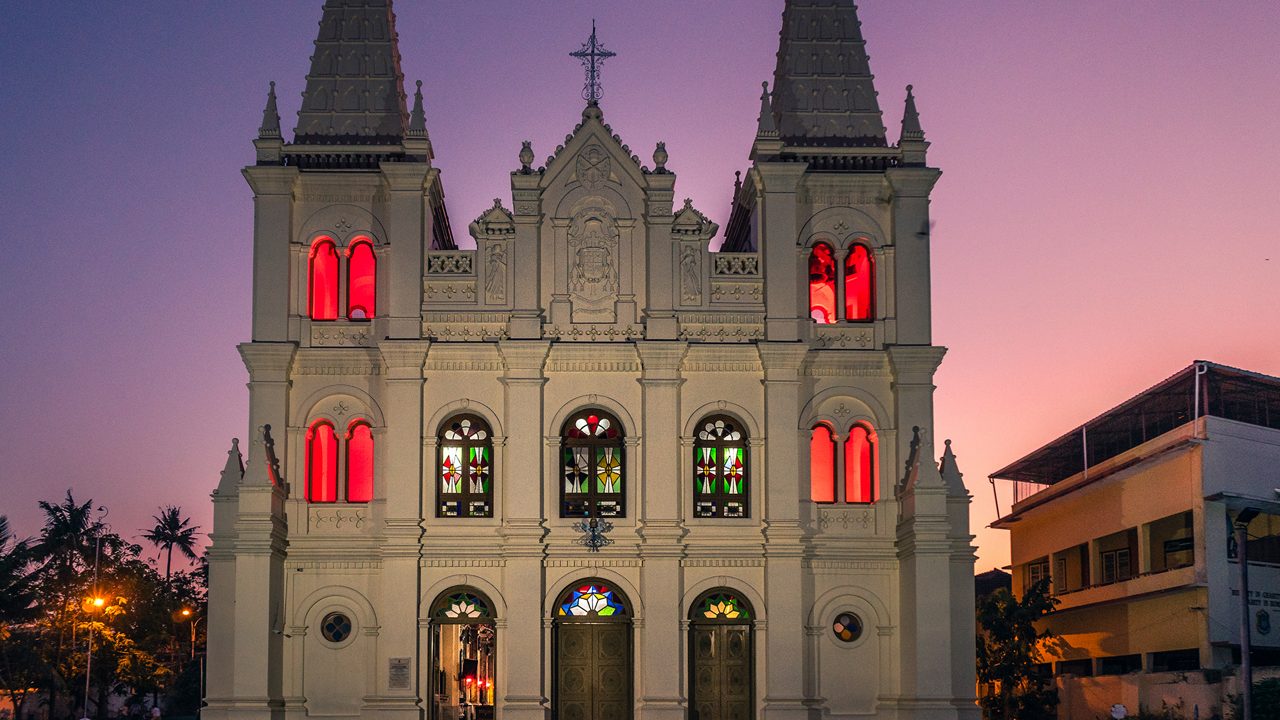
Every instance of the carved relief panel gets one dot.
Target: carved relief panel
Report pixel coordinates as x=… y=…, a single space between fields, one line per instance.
x=593 y=266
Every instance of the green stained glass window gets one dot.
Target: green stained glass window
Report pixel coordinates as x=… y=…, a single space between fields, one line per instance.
x=720 y=481
x=465 y=468
x=721 y=605
x=462 y=605
x=592 y=466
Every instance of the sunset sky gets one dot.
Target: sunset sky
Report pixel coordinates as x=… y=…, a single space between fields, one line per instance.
x=1108 y=209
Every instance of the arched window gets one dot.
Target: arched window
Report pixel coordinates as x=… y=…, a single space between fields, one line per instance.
x=359 y=462
x=464 y=661
x=466 y=468
x=591 y=466
x=322 y=463
x=362 y=279
x=720 y=469
x=822 y=284
x=822 y=464
x=860 y=465
x=859 y=284
x=322 y=280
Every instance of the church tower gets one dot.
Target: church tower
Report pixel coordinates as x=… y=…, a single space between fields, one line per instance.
x=585 y=466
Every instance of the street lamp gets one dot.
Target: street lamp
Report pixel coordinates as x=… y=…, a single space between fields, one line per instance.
x=98 y=602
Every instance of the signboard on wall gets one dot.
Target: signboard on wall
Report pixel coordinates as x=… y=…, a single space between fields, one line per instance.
x=400 y=673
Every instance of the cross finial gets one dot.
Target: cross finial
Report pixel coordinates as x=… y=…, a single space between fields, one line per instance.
x=592 y=55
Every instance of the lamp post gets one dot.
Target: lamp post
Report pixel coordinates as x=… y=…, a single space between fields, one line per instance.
x=1241 y=526
x=195 y=621
x=97 y=602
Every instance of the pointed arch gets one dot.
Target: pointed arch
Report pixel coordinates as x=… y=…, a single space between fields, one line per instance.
x=362 y=279
x=322 y=279
x=822 y=284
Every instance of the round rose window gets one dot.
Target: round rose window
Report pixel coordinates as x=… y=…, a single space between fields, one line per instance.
x=336 y=627
x=847 y=627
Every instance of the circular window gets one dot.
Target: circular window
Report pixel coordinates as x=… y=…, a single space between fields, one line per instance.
x=847 y=627
x=336 y=627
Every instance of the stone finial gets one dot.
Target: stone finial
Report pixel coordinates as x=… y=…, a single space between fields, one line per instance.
x=911 y=130
x=526 y=157
x=418 y=118
x=232 y=470
x=270 y=116
x=951 y=475
x=766 y=127
x=660 y=158
x=737 y=182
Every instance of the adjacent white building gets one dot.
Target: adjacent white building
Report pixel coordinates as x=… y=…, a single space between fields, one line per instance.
x=436 y=433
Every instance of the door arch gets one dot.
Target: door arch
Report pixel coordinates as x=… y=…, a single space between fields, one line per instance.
x=463 y=681
x=591 y=643
x=721 y=657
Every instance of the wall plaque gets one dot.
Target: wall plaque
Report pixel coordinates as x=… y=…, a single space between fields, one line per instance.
x=399 y=673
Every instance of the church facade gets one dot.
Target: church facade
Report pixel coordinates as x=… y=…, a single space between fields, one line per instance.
x=591 y=468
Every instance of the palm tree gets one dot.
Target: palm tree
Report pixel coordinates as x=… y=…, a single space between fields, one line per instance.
x=16 y=592
x=172 y=531
x=67 y=539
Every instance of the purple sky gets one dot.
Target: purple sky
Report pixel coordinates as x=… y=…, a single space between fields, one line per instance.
x=1108 y=210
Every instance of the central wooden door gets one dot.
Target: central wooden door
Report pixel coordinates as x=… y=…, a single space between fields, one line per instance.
x=593 y=672
x=721 y=658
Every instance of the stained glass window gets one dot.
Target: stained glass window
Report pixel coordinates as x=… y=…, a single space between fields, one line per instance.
x=592 y=466
x=860 y=465
x=322 y=463
x=335 y=628
x=462 y=605
x=465 y=468
x=362 y=279
x=859 y=284
x=721 y=606
x=322 y=280
x=822 y=284
x=822 y=464
x=591 y=600
x=720 y=469
x=359 y=462
x=847 y=627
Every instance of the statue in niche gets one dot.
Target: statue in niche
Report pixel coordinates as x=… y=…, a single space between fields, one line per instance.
x=593 y=273
x=690 y=275
x=495 y=273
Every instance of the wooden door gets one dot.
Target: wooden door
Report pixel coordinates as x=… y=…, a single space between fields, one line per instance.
x=593 y=671
x=720 y=668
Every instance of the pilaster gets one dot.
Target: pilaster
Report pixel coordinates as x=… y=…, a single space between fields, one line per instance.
x=409 y=224
x=272 y=235
x=910 y=207
x=779 y=184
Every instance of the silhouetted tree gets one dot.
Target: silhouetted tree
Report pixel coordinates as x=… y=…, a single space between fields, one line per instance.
x=172 y=531
x=1009 y=650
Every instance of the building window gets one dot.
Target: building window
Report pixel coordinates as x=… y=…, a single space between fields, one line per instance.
x=322 y=463
x=466 y=468
x=591 y=464
x=847 y=627
x=362 y=279
x=1119 y=664
x=720 y=469
x=822 y=464
x=1115 y=566
x=322 y=280
x=822 y=284
x=464 y=658
x=1175 y=660
x=860 y=484
x=1037 y=572
x=1079 y=668
x=335 y=628
x=859 y=284
x=359 y=462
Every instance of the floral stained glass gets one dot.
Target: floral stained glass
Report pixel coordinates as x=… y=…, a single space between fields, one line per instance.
x=463 y=606
x=466 y=468
x=723 y=606
x=592 y=466
x=720 y=469
x=592 y=600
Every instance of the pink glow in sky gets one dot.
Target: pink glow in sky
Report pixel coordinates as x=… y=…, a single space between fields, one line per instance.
x=1108 y=210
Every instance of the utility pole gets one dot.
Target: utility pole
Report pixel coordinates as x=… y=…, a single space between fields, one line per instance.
x=1241 y=525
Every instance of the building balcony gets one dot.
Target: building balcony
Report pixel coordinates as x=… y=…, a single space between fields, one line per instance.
x=1145 y=584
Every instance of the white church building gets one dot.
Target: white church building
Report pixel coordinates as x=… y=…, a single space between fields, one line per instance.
x=591 y=469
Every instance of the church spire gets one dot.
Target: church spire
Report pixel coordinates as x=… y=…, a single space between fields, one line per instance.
x=355 y=90
x=911 y=129
x=270 y=116
x=823 y=90
x=766 y=127
x=418 y=118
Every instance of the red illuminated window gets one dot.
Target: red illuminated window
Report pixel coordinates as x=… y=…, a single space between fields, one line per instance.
x=359 y=462
x=322 y=280
x=860 y=465
x=822 y=464
x=322 y=463
x=822 y=284
x=362 y=279
x=859 y=284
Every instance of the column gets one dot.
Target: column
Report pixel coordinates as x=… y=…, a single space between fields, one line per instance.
x=661 y=533
x=272 y=238
x=785 y=282
x=409 y=224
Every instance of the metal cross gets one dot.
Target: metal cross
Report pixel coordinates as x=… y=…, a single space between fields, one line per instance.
x=592 y=55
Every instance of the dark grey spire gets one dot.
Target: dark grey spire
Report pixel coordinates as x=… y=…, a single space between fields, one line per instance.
x=823 y=92
x=911 y=129
x=418 y=118
x=767 y=127
x=270 y=116
x=355 y=90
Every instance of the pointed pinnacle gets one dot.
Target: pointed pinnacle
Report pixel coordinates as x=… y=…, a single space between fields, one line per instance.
x=270 y=116
x=767 y=127
x=418 y=118
x=911 y=129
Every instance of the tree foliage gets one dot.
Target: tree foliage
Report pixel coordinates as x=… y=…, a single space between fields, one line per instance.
x=141 y=642
x=1009 y=653
x=172 y=531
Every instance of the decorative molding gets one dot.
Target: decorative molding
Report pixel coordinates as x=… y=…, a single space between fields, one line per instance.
x=736 y=265
x=453 y=262
x=749 y=292
x=340 y=520
x=333 y=335
x=814 y=564
x=863 y=519
x=830 y=364
x=722 y=562
x=595 y=333
x=333 y=565
x=463 y=562
x=722 y=327
x=585 y=562
x=853 y=337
